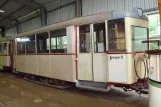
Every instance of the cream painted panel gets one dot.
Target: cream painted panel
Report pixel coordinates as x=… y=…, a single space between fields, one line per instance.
x=31 y=66
x=20 y=63
x=70 y=39
x=129 y=66
x=100 y=67
x=43 y=65
x=1 y=60
x=117 y=68
x=6 y=60
x=62 y=67
x=154 y=67
x=85 y=67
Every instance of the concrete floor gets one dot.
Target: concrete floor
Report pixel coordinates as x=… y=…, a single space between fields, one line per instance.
x=17 y=92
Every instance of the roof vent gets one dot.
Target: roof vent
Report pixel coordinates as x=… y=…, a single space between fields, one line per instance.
x=138 y=11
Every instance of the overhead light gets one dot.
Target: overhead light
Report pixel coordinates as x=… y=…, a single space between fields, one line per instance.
x=1 y=11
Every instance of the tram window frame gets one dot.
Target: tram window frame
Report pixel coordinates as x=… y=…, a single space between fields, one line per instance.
x=22 y=41
x=86 y=32
x=114 y=41
x=1 y=49
x=31 y=43
x=99 y=45
x=5 y=50
x=43 y=37
x=57 y=35
x=135 y=48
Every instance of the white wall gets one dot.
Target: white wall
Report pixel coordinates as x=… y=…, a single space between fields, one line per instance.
x=11 y=32
x=97 y=6
x=62 y=14
x=30 y=25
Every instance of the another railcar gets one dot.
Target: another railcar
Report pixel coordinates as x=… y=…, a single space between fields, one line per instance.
x=6 y=53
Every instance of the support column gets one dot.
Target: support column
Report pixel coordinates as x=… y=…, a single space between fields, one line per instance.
x=78 y=7
x=43 y=16
x=17 y=26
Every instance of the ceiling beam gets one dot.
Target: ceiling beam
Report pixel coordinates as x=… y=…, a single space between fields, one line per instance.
x=8 y=16
x=29 y=3
x=4 y=3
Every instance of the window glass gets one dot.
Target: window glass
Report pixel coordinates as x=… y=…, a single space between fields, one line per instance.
x=42 y=43
x=84 y=39
x=0 y=48
x=154 y=30
x=116 y=35
x=53 y=43
x=58 y=41
x=30 y=44
x=154 y=24
x=21 y=45
x=139 y=34
x=99 y=38
x=62 y=42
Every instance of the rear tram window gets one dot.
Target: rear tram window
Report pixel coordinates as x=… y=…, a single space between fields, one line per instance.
x=5 y=48
x=42 y=43
x=58 y=41
x=99 y=38
x=30 y=44
x=116 y=35
x=139 y=34
x=84 y=39
x=21 y=45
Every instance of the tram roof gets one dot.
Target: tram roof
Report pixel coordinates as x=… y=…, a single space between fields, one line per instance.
x=95 y=18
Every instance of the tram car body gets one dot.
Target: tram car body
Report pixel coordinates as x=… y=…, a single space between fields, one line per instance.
x=94 y=52
x=6 y=54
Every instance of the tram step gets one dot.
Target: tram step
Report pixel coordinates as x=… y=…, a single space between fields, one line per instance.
x=95 y=86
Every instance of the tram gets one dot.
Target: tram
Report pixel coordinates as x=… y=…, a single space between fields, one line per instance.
x=94 y=52
x=6 y=53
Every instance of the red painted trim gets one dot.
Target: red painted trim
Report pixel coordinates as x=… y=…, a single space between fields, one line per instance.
x=76 y=54
x=123 y=84
x=47 y=54
x=115 y=83
x=107 y=52
x=12 y=52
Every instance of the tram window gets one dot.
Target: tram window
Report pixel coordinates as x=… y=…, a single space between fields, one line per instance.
x=99 y=37
x=62 y=42
x=21 y=45
x=30 y=44
x=42 y=43
x=53 y=43
x=139 y=34
x=58 y=41
x=84 y=39
x=116 y=35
